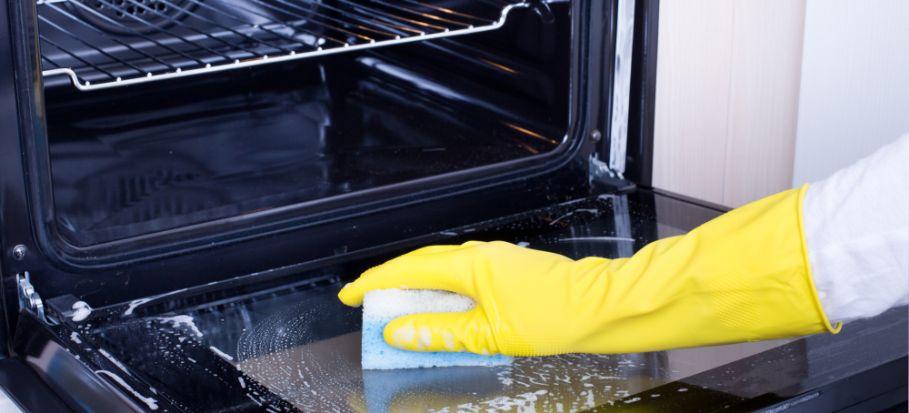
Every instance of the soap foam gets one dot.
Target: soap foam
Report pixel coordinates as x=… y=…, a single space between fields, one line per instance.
x=380 y=307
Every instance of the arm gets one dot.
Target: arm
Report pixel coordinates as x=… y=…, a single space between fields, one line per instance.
x=857 y=230
x=743 y=276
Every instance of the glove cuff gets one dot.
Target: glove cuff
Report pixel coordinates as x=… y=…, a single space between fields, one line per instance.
x=833 y=329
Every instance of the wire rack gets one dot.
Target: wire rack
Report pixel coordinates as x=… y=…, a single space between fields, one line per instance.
x=101 y=44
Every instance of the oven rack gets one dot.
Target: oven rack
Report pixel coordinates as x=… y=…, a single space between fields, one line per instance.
x=102 y=44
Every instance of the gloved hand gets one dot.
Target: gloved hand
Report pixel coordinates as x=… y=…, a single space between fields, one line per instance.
x=743 y=276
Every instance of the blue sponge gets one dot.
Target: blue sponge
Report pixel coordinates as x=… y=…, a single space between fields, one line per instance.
x=380 y=307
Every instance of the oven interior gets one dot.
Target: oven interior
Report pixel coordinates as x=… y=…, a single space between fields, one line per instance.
x=165 y=114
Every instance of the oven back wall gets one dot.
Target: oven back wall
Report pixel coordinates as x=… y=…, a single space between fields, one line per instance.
x=225 y=145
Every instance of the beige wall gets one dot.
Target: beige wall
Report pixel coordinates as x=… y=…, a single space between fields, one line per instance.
x=854 y=96
x=727 y=97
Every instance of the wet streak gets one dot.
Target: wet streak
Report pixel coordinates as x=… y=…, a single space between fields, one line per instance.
x=286 y=353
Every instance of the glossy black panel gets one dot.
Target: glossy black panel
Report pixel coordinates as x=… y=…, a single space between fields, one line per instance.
x=189 y=152
x=80 y=386
x=23 y=385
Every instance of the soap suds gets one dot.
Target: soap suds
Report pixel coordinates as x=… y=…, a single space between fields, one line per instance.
x=182 y=320
x=524 y=402
x=151 y=402
x=81 y=311
x=279 y=353
x=593 y=211
x=255 y=400
x=220 y=353
x=136 y=303
x=112 y=359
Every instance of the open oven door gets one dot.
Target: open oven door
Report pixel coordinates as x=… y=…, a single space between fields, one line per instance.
x=238 y=312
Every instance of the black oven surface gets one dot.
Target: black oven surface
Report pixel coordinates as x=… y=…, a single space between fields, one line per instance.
x=210 y=216
x=293 y=346
x=167 y=155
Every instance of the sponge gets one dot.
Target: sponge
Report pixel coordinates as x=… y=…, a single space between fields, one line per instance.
x=380 y=307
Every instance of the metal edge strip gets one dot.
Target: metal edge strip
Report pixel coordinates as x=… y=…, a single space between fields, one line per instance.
x=624 y=46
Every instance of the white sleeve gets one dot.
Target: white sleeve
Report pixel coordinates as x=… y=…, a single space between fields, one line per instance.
x=857 y=232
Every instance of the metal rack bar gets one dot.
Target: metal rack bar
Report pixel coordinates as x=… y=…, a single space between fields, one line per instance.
x=260 y=14
x=365 y=20
x=118 y=41
x=50 y=42
x=389 y=16
x=381 y=29
x=50 y=61
x=193 y=29
x=202 y=38
x=408 y=10
x=321 y=24
x=173 y=36
x=218 y=11
x=96 y=48
x=443 y=10
x=131 y=30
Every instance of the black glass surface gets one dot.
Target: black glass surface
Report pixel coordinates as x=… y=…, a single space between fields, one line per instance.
x=291 y=345
x=146 y=159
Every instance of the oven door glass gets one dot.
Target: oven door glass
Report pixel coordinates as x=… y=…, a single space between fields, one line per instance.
x=294 y=346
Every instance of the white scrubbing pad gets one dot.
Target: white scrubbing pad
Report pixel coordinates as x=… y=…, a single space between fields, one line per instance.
x=380 y=307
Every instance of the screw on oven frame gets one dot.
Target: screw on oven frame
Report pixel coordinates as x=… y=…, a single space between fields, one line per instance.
x=596 y=135
x=19 y=252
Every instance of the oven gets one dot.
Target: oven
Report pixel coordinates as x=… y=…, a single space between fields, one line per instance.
x=186 y=184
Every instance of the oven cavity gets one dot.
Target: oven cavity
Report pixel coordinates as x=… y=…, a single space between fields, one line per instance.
x=133 y=162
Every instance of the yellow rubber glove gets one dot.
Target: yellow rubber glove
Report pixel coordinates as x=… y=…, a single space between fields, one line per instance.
x=743 y=276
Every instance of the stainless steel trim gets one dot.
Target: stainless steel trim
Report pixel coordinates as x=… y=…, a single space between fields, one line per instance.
x=624 y=44
x=28 y=297
x=7 y=404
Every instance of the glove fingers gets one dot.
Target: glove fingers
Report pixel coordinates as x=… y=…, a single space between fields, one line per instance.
x=467 y=331
x=439 y=267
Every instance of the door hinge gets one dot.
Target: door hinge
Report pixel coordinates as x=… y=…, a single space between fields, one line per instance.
x=602 y=174
x=600 y=169
x=29 y=298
